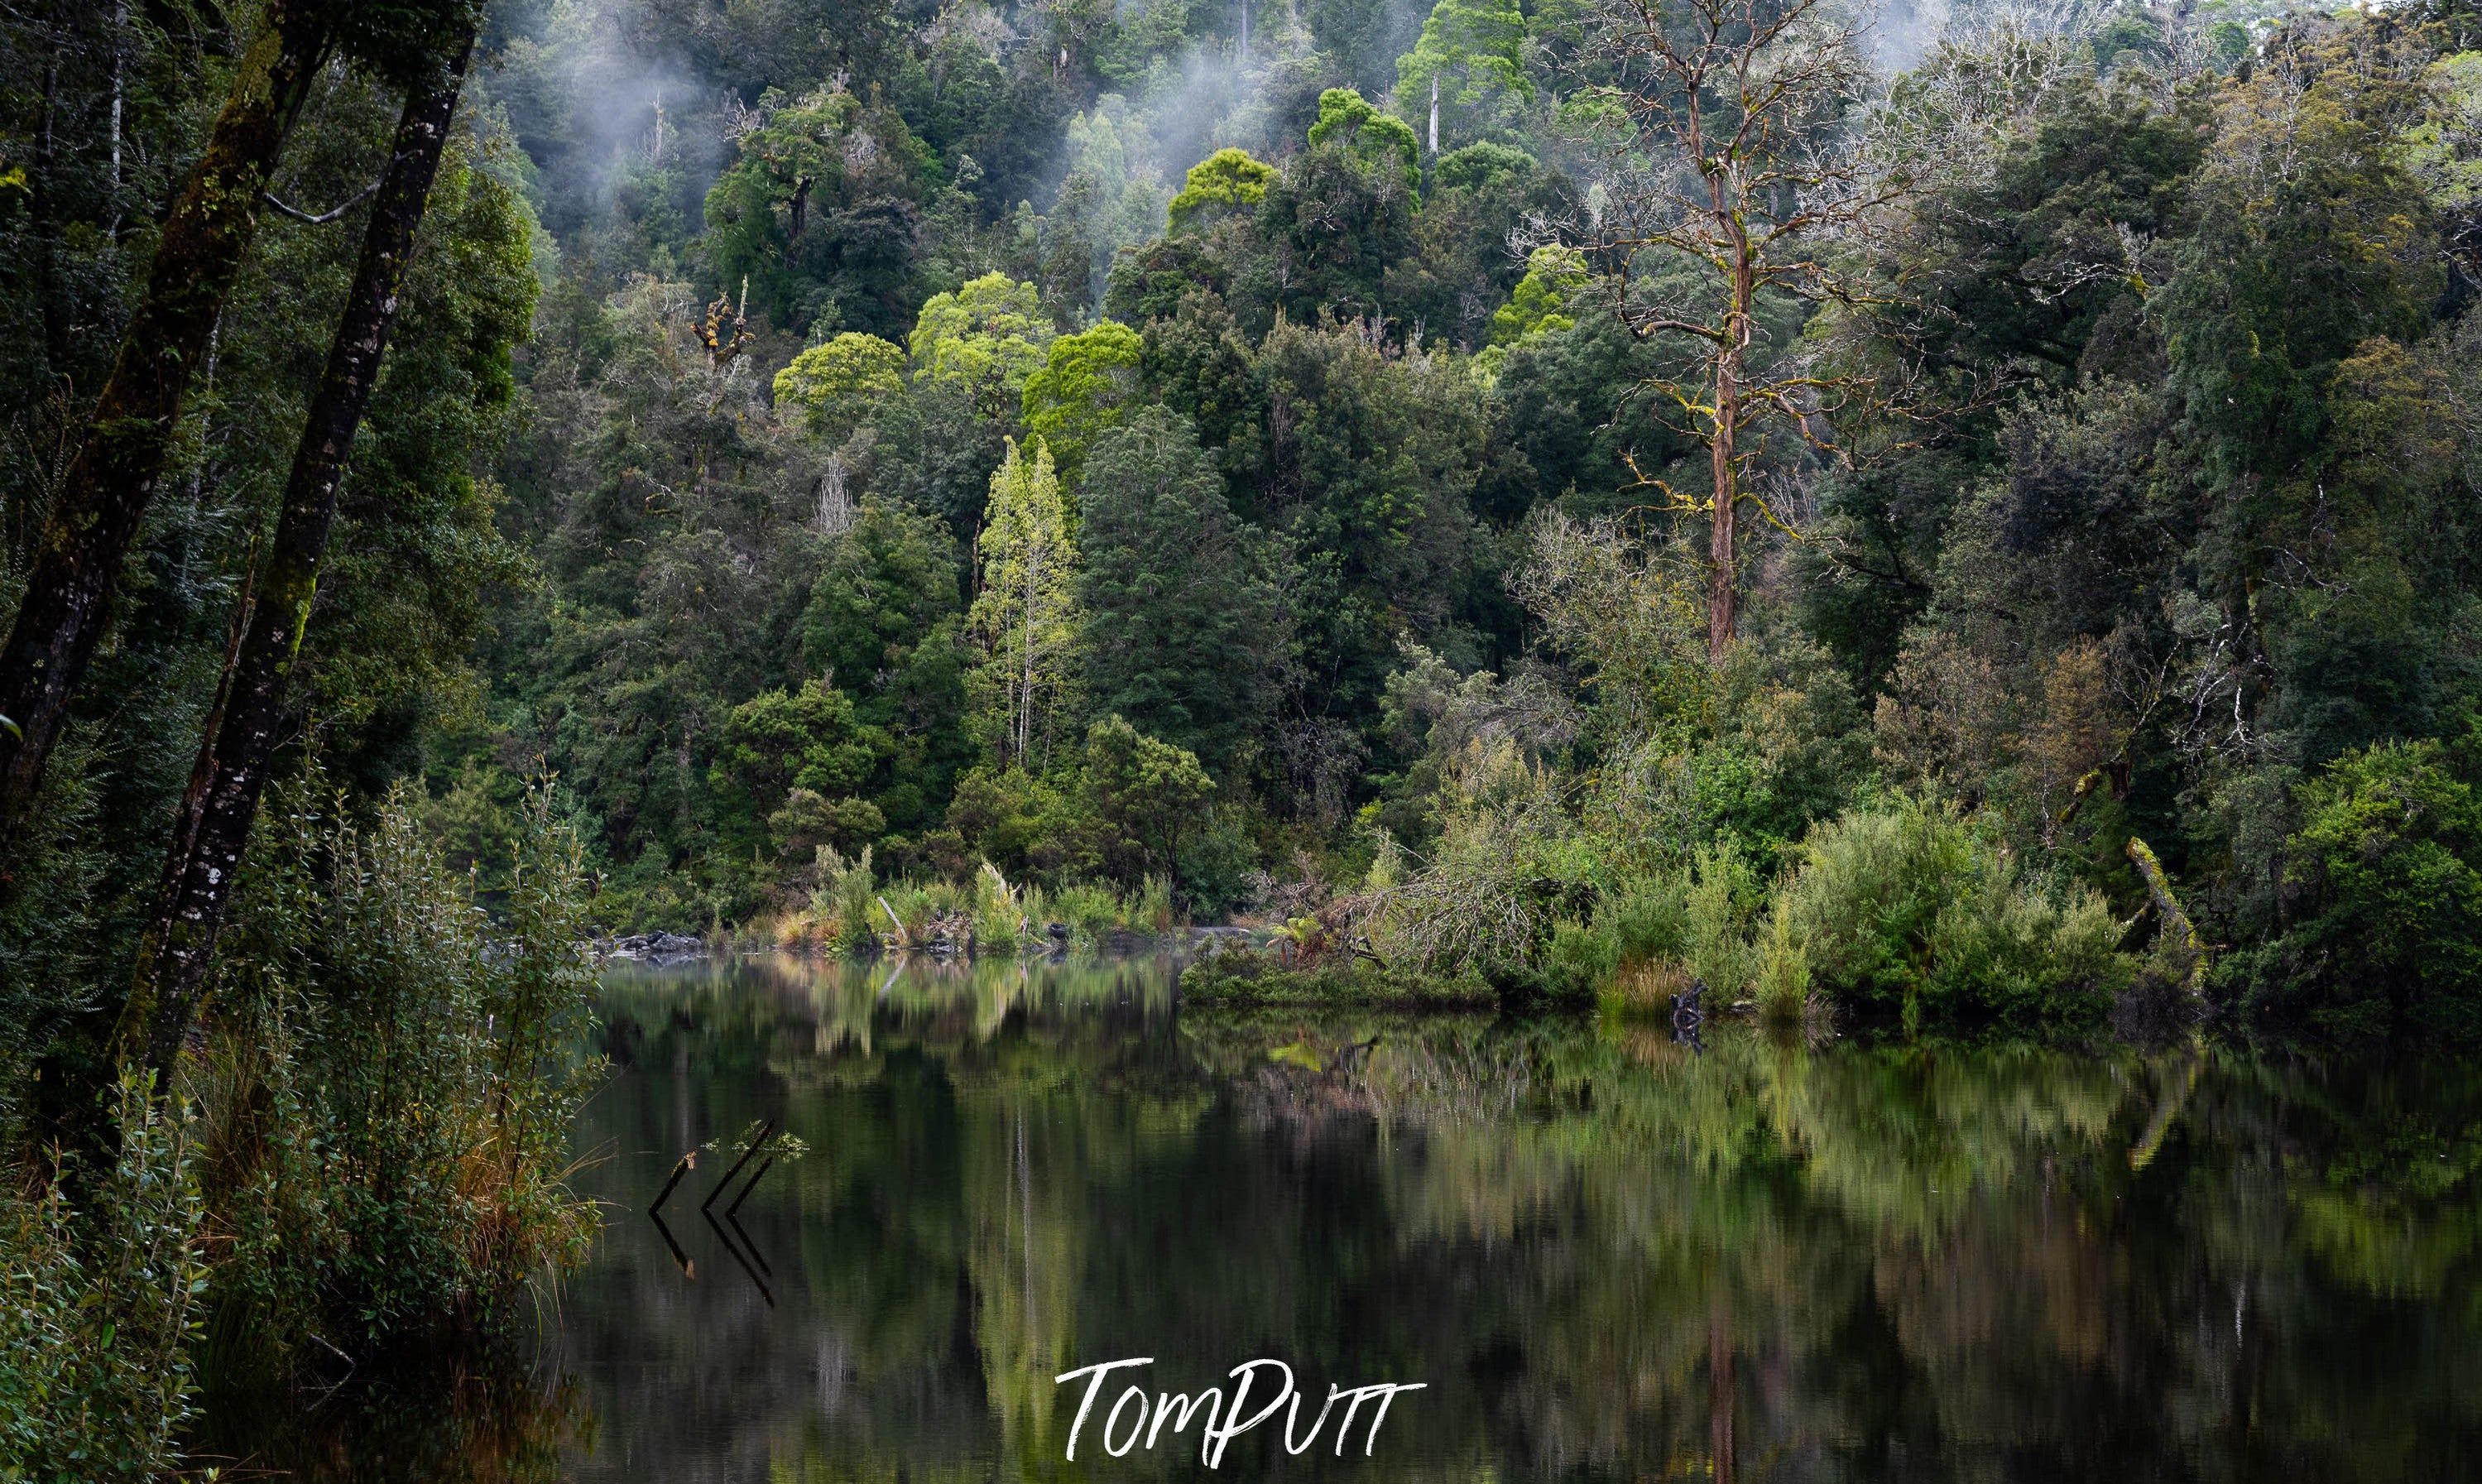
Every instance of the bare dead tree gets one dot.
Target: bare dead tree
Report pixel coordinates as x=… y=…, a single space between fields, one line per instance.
x=1730 y=150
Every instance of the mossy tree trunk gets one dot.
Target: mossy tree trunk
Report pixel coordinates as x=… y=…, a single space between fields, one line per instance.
x=94 y=519
x=231 y=773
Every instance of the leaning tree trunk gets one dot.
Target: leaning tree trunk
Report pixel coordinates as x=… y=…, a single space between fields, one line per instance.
x=94 y=519
x=231 y=773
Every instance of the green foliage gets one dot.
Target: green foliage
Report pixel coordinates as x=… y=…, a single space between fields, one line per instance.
x=796 y=759
x=2384 y=876
x=1647 y=918
x=97 y=1307
x=1124 y=808
x=988 y=336
x=1509 y=865
x=1228 y=181
x=1783 y=969
x=403 y=596
x=935 y=451
x=817 y=211
x=1347 y=533
x=1085 y=385
x=47 y=949
x=1480 y=166
x=845 y=896
x=1148 y=798
x=1577 y=962
x=1382 y=455
x=1219 y=860
x=1722 y=902
x=882 y=623
x=1458 y=267
x=810 y=740
x=1181 y=623
x=1024 y=622
x=1912 y=910
x=390 y=1093
x=1469 y=56
x=836 y=382
x=1784 y=748
x=1553 y=276
x=1348 y=121
x=2289 y=271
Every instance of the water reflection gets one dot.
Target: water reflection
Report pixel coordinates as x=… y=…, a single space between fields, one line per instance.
x=1608 y=1254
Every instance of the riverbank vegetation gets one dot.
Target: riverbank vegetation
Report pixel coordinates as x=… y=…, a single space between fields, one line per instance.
x=1943 y=526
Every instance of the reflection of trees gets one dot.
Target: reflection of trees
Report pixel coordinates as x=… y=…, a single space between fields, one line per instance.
x=469 y=1416
x=958 y=1144
x=1928 y=1261
x=2065 y=1251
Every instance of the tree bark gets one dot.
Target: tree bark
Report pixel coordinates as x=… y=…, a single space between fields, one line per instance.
x=2177 y=946
x=94 y=519
x=1722 y=554
x=1721 y=558
x=222 y=801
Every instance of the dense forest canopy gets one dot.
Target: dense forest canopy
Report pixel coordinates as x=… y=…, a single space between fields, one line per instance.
x=1491 y=453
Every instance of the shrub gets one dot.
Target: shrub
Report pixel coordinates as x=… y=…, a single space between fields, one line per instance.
x=96 y=1325
x=1724 y=895
x=1510 y=863
x=1215 y=865
x=844 y=896
x=1000 y=909
x=1578 y=962
x=1783 y=969
x=1150 y=907
x=391 y=1088
x=48 y=929
x=1648 y=919
x=1090 y=911
x=1910 y=909
x=2386 y=876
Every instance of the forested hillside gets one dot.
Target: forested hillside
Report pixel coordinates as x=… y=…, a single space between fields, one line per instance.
x=1499 y=456
x=1109 y=442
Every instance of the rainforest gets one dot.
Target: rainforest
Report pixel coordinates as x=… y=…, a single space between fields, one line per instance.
x=593 y=583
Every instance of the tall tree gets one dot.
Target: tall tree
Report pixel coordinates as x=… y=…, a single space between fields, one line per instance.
x=95 y=517
x=1469 y=51
x=1024 y=619
x=249 y=715
x=1726 y=167
x=1182 y=629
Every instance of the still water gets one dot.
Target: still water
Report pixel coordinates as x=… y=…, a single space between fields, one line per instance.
x=1605 y=1255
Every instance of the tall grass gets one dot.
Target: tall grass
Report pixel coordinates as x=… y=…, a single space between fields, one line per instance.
x=852 y=912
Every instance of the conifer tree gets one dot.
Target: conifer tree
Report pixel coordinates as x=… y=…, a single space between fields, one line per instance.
x=1025 y=618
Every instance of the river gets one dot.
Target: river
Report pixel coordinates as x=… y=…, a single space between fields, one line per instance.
x=1601 y=1252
